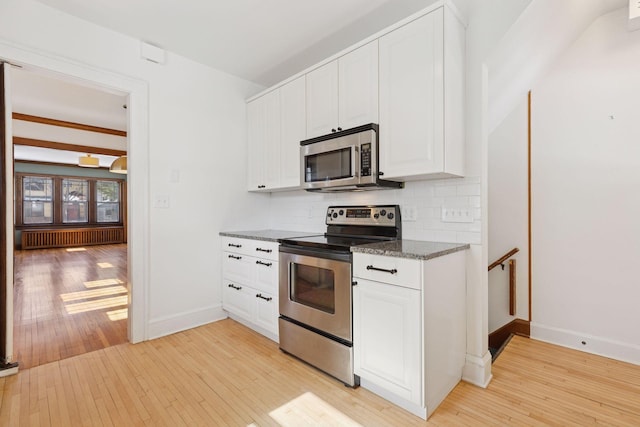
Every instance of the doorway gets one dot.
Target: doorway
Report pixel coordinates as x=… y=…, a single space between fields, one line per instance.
x=137 y=182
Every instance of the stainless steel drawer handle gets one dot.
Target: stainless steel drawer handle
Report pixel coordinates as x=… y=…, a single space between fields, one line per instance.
x=392 y=271
x=237 y=288
x=235 y=257
x=264 y=250
x=263 y=297
x=233 y=245
x=266 y=264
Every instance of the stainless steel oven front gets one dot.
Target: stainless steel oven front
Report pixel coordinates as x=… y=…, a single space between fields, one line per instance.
x=315 y=289
x=315 y=321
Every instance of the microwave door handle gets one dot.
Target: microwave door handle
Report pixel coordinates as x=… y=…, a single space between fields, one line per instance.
x=355 y=161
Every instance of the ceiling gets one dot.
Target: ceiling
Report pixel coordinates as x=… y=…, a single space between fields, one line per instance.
x=258 y=40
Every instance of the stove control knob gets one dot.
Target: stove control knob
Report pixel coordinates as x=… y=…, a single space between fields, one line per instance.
x=341 y=212
x=335 y=215
x=383 y=212
x=376 y=216
x=390 y=216
x=329 y=214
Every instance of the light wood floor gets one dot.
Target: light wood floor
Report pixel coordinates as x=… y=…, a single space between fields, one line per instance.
x=224 y=374
x=68 y=302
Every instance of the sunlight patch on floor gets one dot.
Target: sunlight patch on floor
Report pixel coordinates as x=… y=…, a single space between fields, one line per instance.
x=94 y=293
x=119 y=314
x=102 y=282
x=76 y=249
x=82 y=307
x=309 y=410
x=105 y=265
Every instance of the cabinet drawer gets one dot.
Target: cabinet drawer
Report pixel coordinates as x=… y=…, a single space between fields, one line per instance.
x=396 y=271
x=256 y=248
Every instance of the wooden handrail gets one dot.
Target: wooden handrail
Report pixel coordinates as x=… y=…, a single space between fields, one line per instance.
x=503 y=258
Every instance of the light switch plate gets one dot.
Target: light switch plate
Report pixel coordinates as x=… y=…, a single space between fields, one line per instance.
x=457 y=215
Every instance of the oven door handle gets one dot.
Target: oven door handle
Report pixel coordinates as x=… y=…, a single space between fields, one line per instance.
x=384 y=270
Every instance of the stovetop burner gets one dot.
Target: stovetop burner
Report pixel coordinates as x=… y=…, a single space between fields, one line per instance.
x=349 y=226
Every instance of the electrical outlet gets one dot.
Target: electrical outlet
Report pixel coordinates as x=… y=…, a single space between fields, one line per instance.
x=410 y=213
x=457 y=215
x=161 y=201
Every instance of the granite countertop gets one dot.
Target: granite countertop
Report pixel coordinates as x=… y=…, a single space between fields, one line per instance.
x=267 y=235
x=414 y=249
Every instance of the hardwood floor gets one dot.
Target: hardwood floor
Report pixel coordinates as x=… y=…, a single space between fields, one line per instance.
x=224 y=374
x=68 y=301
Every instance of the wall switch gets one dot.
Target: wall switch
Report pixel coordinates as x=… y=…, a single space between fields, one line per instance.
x=161 y=201
x=457 y=215
x=409 y=213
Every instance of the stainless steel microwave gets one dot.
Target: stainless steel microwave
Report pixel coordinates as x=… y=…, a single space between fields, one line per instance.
x=346 y=160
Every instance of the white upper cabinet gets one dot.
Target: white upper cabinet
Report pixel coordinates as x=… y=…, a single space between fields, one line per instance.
x=276 y=125
x=293 y=130
x=358 y=87
x=322 y=100
x=343 y=93
x=422 y=98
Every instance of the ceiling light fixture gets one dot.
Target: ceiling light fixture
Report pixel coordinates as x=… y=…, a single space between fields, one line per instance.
x=88 y=161
x=119 y=165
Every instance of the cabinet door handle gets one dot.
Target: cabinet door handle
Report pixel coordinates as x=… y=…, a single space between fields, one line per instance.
x=263 y=297
x=261 y=186
x=233 y=245
x=235 y=257
x=380 y=173
x=333 y=130
x=354 y=283
x=237 y=288
x=392 y=271
x=264 y=250
x=339 y=129
x=266 y=264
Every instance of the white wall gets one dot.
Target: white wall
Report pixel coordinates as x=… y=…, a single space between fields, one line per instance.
x=196 y=126
x=508 y=225
x=586 y=175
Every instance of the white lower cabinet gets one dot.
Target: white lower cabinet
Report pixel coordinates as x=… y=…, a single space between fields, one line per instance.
x=409 y=320
x=250 y=284
x=387 y=331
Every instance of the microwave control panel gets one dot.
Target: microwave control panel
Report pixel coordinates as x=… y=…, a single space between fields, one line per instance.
x=365 y=159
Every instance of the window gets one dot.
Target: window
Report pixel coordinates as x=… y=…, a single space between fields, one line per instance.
x=55 y=201
x=108 y=201
x=74 y=200
x=37 y=200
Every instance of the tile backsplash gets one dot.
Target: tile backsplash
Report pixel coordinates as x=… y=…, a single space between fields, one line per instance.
x=303 y=211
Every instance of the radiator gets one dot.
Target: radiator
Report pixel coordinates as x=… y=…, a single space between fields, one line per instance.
x=61 y=238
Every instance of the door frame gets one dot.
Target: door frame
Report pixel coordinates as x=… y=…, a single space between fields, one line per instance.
x=138 y=230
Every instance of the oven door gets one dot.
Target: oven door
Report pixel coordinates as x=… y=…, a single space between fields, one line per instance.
x=315 y=290
x=329 y=163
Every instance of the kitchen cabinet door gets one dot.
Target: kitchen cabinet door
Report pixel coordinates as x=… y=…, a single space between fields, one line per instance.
x=263 y=121
x=266 y=306
x=238 y=299
x=358 y=86
x=412 y=99
x=293 y=130
x=322 y=100
x=266 y=275
x=387 y=339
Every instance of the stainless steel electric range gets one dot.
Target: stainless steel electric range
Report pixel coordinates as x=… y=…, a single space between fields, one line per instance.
x=316 y=322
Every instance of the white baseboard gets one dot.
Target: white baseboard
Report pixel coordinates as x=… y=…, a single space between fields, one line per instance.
x=7 y=372
x=622 y=351
x=186 y=320
x=477 y=370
